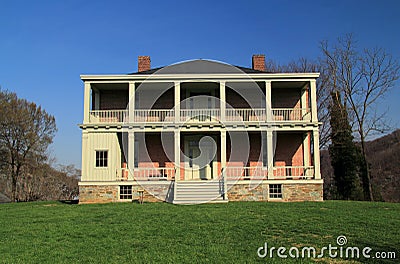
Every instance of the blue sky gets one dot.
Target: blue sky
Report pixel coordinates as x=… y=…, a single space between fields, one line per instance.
x=46 y=45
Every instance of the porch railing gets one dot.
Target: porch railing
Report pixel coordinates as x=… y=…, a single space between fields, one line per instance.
x=201 y=115
x=108 y=116
x=230 y=173
x=246 y=173
x=147 y=174
x=291 y=114
x=154 y=115
x=245 y=114
x=293 y=172
x=154 y=174
x=261 y=173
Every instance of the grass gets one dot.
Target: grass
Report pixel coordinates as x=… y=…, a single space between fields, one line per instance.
x=54 y=232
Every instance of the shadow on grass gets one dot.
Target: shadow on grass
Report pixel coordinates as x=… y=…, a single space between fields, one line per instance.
x=70 y=202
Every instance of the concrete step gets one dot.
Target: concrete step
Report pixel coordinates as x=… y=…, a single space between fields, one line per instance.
x=196 y=192
x=198 y=201
x=200 y=184
x=199 y=197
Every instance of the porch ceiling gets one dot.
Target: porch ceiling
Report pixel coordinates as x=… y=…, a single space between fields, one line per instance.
x=110 y=86
x=288 y=84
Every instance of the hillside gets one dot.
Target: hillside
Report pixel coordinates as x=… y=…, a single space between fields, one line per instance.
x=383 y=156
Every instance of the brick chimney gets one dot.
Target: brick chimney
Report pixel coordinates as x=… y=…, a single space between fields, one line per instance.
x=143 y=63
x=258 y=62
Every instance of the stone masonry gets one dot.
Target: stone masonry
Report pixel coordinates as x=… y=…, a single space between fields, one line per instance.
x=98 y=194
x=109 y=194
x=290 y=192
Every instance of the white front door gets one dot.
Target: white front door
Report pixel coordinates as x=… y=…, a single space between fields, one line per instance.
x=200 y=155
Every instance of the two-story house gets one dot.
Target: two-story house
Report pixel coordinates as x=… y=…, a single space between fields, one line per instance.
x=200 y=131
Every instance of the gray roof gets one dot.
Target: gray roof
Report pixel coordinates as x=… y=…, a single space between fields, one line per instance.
x=199 y=66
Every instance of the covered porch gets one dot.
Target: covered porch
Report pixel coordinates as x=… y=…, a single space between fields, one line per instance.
x=195 y=156
x=211 y=102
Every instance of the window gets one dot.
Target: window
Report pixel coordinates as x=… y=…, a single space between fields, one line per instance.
x=275 y=191
x=101 y=158
x=125 y=192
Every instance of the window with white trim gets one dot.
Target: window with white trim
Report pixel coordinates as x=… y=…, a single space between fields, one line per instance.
x=275 y=191
x=125 y=192
x=101 y=158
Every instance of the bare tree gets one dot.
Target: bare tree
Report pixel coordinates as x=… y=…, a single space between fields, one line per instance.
x=363 y=78
x=70 y=171
x=26 y=131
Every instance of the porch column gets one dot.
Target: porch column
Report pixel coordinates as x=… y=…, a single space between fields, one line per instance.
x=86 y=103
x=270 y=154
x=222 y=95
x=306 y=149
x=223 y=160
x=85 y=158
x=131 y=151
x=313 y=90
x=131 y=104
x=304 y=102
x=317 y=171
x=177 y=154
x=96 y=99
x=268 y=101
x=177 y=101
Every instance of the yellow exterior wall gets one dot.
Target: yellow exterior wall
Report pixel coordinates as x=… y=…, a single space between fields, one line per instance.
x=102 y=141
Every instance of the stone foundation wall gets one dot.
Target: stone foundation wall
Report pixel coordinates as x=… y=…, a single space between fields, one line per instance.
x=246 y=192
x=98 y=194
x=290 y=192
x=303 y=192
x=154 y=192
x=110 y=193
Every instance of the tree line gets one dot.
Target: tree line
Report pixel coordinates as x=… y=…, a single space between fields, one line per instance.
x=26 y=131
x=351 y=92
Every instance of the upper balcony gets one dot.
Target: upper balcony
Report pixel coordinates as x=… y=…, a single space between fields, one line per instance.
x=198 y=103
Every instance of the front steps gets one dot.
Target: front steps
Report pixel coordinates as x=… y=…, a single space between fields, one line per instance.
x=197 y=192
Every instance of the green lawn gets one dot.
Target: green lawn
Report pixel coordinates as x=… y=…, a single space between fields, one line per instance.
x=216 y=233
